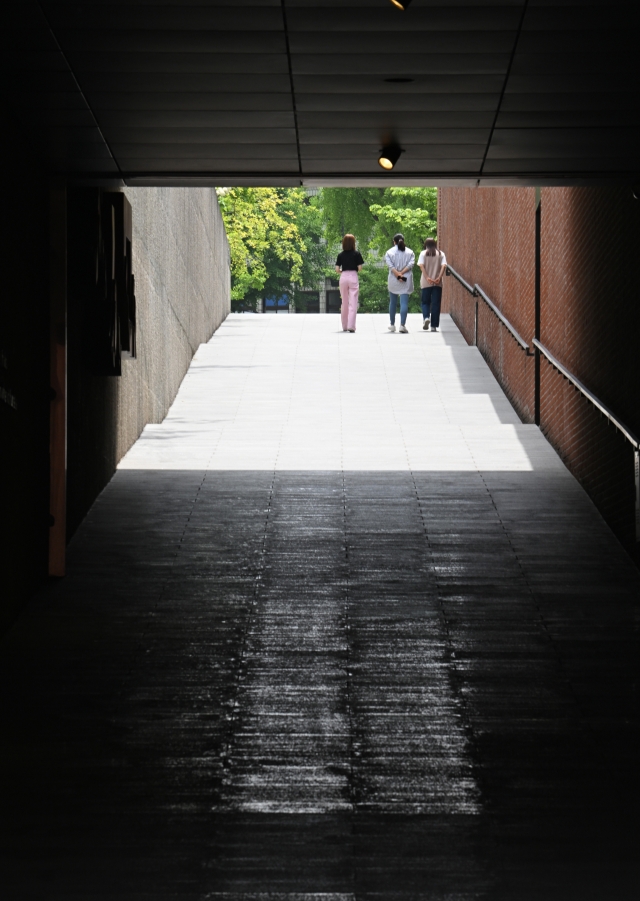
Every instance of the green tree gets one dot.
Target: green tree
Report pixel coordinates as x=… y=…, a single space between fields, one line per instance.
x=310 y=223
x=411 y=211
x=374 y=216
x=349 y=210
x=282 y=240
x=374 y=295
x=274 y=236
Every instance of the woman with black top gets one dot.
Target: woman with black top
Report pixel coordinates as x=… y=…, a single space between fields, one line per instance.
x=349 y=264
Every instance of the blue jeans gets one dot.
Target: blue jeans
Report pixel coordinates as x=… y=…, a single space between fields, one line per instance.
x=431 y=300
x=404 y=307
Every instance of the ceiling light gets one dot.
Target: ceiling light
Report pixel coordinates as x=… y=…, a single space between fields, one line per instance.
x=401 y=4
x=389 y=156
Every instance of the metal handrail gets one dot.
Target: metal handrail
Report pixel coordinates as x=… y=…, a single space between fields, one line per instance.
x=477 y=291
x=503 y=319
x=628 y=434
x=451 y=271
x=539 y=348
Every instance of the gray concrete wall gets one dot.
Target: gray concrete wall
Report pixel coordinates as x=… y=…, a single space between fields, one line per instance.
x=181 y=267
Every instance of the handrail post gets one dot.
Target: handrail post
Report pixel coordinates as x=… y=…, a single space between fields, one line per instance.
x=475 y=326
x=477 y=290
x=636 y=459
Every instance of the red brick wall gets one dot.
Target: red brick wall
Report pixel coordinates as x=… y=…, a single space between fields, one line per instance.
x=488 y=235
x=590 y=317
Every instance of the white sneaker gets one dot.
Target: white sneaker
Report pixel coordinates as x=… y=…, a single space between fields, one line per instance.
x=404 y=329
x=425 y=325
x=392 y=328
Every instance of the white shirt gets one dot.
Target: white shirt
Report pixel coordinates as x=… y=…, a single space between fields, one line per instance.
x=400 y=259
x=432 y=265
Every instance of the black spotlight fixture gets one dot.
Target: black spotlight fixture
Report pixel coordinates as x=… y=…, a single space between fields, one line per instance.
x=389 y=156
x=402 y=4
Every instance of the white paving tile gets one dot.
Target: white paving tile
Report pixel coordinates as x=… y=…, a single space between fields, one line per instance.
x=296 y=393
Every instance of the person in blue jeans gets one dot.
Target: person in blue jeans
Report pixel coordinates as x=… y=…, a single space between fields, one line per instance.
x=400 y=261
x=432 y=263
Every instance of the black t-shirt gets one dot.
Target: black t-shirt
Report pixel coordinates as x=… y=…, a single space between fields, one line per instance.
x=350 y=260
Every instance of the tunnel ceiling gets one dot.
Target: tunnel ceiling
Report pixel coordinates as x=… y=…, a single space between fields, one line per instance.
x=271 y=92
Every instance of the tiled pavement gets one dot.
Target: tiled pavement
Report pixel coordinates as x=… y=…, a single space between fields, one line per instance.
x=340 y=628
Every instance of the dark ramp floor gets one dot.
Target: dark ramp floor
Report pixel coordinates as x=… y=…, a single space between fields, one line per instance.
x=340 y=685
x=361 y=684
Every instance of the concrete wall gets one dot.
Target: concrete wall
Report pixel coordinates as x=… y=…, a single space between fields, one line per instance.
x=589 y=318
x=181 y=267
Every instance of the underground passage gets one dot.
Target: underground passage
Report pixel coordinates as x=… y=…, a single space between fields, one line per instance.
x=298 y=606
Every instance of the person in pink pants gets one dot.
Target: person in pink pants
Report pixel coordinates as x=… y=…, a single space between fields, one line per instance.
x=348 y=265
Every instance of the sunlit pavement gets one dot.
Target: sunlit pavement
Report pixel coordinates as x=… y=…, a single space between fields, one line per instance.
x=341 y=627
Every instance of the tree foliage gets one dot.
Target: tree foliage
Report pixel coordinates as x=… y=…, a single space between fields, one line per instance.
x=348 y=210
x=274 y=235
x=282 y=240
x=373 y=295
x=410 y=211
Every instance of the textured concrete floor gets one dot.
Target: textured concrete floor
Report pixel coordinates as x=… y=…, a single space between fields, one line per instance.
x=340 y=628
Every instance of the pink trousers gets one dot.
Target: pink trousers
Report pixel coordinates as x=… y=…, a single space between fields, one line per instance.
x=349 y=287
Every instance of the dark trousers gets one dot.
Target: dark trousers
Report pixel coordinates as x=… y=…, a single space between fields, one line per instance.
x=431 y=300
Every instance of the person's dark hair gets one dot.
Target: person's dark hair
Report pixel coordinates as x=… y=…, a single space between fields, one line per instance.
x=431 y=247
x=349 y=242
x=399 y=240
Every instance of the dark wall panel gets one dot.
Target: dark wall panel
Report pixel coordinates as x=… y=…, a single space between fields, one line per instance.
x=24 y=375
